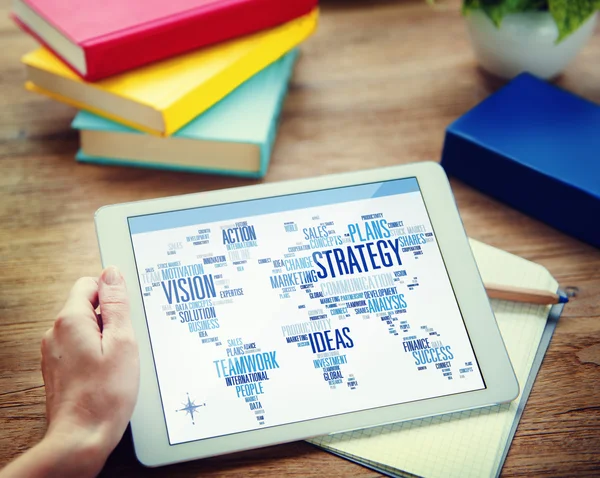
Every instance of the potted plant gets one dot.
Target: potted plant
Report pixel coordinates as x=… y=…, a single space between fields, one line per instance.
x=539 y=36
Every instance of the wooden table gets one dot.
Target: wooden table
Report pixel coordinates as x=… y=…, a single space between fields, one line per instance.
x=376 y=86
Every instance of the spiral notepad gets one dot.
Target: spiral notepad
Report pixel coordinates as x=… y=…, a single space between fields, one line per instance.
x=472 y=443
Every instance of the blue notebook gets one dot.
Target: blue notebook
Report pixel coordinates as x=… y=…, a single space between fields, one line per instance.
x=234 y=137
x=535 y=147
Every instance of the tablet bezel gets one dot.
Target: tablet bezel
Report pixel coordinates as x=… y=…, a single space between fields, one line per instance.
x=148 y=423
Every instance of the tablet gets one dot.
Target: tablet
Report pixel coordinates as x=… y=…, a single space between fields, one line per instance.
x=282 y=311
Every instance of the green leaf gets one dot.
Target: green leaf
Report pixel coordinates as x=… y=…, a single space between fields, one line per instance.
x=470 y=4
x=569 y=15
x=496 y=10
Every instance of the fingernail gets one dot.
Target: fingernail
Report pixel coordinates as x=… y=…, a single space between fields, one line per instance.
x=111 y=275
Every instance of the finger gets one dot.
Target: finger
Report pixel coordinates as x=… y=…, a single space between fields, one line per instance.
x=81 y=304
x=114 y=303
x=86 y=289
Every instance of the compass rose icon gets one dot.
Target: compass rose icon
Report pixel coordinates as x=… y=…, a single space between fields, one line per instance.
x=190 y=407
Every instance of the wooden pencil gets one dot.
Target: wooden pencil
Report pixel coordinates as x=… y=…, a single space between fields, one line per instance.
x=517 y=294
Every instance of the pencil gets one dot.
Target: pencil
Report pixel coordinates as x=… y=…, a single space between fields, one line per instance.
x=517 y=294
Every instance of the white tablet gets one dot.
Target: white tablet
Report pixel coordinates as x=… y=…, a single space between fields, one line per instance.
x=282 y=311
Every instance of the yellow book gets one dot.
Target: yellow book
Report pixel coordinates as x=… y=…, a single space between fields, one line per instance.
x=162 y=97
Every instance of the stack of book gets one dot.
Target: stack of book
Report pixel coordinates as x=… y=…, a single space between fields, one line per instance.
x=194 y=85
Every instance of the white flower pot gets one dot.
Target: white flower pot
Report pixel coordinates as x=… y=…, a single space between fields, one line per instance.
x=525 y=42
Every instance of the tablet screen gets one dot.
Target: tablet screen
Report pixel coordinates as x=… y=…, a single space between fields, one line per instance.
x=272 y=311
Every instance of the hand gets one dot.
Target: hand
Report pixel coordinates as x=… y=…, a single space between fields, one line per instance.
x=90 y=366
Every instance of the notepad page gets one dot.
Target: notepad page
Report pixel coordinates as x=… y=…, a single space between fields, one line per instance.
x=471 y=443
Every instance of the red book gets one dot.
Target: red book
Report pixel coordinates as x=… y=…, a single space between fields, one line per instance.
x=100 y=38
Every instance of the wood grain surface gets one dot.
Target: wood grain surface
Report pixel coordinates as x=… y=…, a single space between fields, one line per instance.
x=377 y=85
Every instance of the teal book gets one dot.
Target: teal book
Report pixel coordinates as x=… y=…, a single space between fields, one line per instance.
x=234 y=137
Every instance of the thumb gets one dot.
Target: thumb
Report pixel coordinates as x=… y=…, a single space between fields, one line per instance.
x=113 y=301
